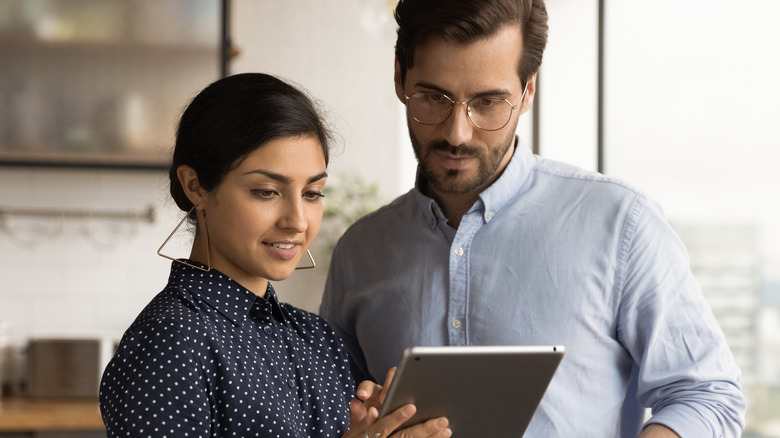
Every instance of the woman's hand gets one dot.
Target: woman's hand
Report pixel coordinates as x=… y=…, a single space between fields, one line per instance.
x=372 y=394
x=364 y=412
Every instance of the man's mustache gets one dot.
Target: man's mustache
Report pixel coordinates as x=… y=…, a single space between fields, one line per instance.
x=463 y=149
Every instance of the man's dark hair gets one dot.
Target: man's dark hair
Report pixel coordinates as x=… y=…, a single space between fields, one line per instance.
x=466 y=21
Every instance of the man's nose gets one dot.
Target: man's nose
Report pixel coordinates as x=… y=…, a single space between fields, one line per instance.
x=458 y=129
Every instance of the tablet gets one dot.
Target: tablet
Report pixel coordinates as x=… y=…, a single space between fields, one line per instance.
x=488 y=391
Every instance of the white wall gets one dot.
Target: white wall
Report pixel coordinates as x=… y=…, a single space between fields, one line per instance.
x=568 y=89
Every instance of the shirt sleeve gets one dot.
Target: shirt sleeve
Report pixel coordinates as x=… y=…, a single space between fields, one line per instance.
x=152 y=387
x=687 y=374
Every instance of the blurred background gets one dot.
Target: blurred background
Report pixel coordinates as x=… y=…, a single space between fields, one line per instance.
x=677 y=97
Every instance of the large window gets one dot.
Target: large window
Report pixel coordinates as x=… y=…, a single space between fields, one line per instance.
x=690 y=116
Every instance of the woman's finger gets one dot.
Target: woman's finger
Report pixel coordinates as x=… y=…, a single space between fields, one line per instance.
x=388 y=380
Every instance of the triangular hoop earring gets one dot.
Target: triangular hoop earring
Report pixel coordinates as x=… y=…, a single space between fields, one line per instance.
x=313 y=264
x=208 y=248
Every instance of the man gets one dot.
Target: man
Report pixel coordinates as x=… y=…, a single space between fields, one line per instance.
x=497 y=246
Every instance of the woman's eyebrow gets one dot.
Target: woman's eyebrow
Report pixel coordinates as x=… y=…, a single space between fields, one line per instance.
x=273 y=175
x=284 y=179
x=317 y=177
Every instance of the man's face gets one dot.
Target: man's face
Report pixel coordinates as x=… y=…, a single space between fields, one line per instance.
x=456 y=156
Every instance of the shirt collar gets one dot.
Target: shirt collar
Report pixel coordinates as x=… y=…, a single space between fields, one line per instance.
x=512 y=181
x=224 y=294
x=494 y=198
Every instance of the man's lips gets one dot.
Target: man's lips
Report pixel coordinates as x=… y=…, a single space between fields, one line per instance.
x=451 y=161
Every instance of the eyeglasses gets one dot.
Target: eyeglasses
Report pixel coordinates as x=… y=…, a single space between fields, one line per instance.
x=486 y=113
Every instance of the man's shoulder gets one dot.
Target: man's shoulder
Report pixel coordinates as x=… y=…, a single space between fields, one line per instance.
x=391 y=221
x=401 y=207
x=558 y=172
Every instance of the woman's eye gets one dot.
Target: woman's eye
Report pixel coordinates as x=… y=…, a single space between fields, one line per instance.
x=313 y=195
x=264 y=193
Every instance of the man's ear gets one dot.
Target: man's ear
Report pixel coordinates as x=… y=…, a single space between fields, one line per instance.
x=188 y=179
x=530 y=92
x=399 y=87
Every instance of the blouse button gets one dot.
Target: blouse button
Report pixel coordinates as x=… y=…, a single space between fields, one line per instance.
x=459 y=252
x=291 y=382
x=456 y=323
x=268 y=330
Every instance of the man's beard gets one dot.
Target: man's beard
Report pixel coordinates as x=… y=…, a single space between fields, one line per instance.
x=454 y=181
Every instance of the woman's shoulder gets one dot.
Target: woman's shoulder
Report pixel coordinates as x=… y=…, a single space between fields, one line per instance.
x=311 y=324
x=171 y=309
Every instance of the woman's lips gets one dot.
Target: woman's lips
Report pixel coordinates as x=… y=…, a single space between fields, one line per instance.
x=283 y=250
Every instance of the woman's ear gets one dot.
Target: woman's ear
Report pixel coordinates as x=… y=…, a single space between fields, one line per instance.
x=188 y=179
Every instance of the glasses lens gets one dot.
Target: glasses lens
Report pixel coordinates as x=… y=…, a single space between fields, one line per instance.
x=429 y=108
x=490 y=114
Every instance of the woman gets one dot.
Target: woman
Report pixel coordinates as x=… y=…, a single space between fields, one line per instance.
x=215 y=353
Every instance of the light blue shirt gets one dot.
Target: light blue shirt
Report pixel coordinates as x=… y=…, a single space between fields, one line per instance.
x=549 y=254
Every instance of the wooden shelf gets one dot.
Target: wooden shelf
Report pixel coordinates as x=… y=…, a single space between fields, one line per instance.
x=108 y=45
x=28 y=415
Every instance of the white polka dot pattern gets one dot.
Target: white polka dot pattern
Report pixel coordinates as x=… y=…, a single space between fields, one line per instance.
x=207 y=357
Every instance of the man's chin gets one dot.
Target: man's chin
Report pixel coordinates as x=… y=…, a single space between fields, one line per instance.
x=454 y=182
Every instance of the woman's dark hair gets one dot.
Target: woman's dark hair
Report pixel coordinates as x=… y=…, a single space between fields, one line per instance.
x=233 y=117
x=466 y=21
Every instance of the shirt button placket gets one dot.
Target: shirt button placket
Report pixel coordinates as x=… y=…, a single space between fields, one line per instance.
x=457 y=306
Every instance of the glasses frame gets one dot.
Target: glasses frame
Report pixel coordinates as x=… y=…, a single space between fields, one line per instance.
x=512 y=109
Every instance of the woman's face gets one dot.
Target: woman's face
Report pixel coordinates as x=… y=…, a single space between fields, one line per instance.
x=266 y=212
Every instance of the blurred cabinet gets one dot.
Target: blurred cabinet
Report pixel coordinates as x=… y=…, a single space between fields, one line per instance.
x=101 y=82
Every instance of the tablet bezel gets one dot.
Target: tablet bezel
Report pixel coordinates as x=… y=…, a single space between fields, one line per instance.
x=478 y=388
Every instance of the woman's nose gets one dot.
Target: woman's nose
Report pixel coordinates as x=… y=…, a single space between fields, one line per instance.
x=293 y=217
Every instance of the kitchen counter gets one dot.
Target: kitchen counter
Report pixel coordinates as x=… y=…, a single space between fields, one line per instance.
x=28 y=415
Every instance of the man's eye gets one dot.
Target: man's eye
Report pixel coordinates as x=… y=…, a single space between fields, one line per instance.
x=488 y=102
x=435 y=98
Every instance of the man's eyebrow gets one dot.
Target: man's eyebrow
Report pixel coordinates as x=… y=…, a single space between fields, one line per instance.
x=284 y=179
x=432 y=87
x=490 y=92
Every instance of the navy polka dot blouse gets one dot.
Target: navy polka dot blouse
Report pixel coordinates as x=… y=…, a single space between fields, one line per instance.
x=207 y=357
